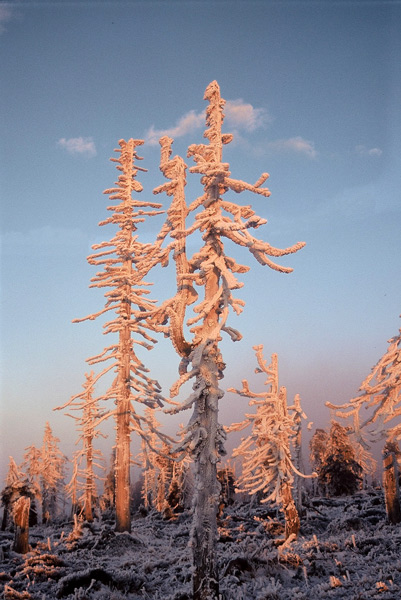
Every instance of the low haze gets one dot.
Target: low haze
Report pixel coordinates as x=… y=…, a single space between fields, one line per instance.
x=313 y=97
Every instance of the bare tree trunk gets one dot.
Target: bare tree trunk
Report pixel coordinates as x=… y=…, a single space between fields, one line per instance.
x=123 y=517
x=207 y=491
x=291 y=516
x=391 y=487
x=207 y=486
x=292 y=523
x=89 y=482
x=123 y=437
x=21 y=520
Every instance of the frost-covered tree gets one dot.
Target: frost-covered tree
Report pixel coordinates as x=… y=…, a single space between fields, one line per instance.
x=380 y=393
x=339 y=472
x=214 y=272
x=163 y=471
x=267 y=465
x=125 y=262
x=52 y=474
x=148 y=461
x=297 y=415
x=32 y=466
x=88 y=459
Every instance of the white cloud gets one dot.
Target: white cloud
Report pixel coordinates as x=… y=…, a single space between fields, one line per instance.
x=238 y=115
x=5 y=15
x=295 y=144
x=85 y=146
x=364 y=151
x=241 y=115
x=187 y=124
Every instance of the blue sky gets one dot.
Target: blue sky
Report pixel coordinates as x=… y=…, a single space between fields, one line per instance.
x=312 y=92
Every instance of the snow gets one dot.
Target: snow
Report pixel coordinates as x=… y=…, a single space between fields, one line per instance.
x=346 y=549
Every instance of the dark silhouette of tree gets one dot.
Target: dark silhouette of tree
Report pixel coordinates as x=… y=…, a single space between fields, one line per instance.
x=339 y=471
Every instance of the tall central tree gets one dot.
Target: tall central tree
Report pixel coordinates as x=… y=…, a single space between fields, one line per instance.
x=126 y=262
x=215 y=272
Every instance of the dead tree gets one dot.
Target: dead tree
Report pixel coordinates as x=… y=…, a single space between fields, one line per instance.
x=213 y=271
x=126 y=262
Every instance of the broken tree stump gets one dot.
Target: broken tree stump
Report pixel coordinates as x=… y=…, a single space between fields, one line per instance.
x=391 y=487
x=21 y=519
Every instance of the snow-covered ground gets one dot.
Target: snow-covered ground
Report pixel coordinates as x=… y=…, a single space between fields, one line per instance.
x=346 y=549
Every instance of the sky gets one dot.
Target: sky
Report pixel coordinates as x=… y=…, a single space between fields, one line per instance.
x=312 y=91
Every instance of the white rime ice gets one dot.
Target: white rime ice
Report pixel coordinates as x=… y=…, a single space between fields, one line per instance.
x=215 y=218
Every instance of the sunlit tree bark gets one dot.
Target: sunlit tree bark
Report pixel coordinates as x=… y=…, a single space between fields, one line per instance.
x=21 y=519
x=391 y=483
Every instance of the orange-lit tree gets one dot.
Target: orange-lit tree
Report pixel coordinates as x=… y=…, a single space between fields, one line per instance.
x=125 y=262
x=212 y=270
